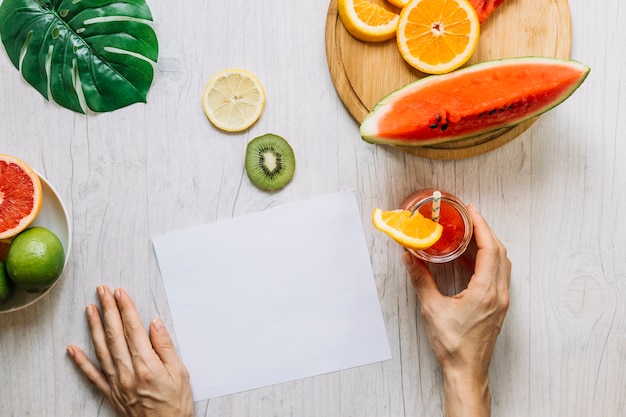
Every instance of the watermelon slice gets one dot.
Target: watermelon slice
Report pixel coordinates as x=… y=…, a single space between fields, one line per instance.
x=484 y=8
x=472 y=101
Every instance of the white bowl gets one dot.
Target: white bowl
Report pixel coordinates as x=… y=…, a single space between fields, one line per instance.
x=53 y=216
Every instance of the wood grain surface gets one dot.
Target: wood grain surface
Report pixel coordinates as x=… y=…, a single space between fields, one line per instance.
x=365 y=72
x=555 y=196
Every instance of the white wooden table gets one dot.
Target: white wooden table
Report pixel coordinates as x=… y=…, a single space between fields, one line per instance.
x=556 y=196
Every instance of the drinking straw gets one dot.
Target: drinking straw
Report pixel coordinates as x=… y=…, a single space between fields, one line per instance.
x=436 y=205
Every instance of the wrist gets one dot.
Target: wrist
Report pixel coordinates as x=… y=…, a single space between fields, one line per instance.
x=466 y=395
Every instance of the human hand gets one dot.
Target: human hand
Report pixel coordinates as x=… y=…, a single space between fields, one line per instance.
x=462 y=329
x=140 y=375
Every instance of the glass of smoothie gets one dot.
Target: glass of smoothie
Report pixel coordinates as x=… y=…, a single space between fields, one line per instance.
x=453 y=216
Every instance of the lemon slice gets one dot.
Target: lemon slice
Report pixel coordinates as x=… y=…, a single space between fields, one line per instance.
x=411 y=231
x=437 y=36
x=367 y=21
x=233 y=99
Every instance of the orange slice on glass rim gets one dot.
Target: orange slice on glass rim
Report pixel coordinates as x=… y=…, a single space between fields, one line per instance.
x=368 y=21
x=437 y=36
x=20 y=196
x=411 y=230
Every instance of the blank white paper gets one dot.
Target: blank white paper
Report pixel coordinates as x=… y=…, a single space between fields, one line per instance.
x=273 y=296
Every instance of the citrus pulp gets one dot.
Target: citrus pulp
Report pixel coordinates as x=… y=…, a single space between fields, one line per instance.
x=437 y=36
x=20 y=196
x=411 y=230
x=233 y=99
x=368 y=21
x=399 y=3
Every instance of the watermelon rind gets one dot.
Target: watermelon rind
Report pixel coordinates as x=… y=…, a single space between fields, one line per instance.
x=369 y=130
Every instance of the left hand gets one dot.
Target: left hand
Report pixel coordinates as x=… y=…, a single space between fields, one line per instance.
x=140 y=375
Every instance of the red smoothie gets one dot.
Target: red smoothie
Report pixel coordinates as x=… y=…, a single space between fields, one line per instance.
x=453 y=228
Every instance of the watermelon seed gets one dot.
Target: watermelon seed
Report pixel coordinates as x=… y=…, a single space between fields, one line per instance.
x=444 y=127
x=435 y=124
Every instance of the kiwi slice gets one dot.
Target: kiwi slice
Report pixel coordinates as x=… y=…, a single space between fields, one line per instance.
x=270 y=162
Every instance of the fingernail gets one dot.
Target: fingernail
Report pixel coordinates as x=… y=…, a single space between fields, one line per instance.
x=117 y=293
x=89 y=310
x=100 y=290
x=157 y=325
x=70 y=351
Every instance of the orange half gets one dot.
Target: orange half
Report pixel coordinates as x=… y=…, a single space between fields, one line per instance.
x=437 y=36
x=413 y=231
x=20 y=196
x=368 y=21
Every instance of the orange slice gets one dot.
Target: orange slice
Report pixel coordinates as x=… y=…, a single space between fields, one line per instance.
x=368 y=21
x=411 y=231
x=20 y=196
x=437 y=36
x=399 y=3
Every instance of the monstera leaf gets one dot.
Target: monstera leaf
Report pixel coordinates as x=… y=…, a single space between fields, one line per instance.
x=82 y=54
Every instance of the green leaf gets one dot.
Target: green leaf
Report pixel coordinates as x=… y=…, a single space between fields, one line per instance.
x=96 y=54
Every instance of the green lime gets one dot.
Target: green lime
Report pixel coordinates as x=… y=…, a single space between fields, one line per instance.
x=7 y=287
x=35 y=259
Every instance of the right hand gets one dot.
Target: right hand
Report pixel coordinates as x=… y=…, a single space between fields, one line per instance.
x=462 y=329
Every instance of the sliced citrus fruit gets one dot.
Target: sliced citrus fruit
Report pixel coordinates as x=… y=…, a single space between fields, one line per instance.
x=20 y=196
x=399 y=3
x=368 y=21
x=437 y=36
x=233 y=99
x=413 y=231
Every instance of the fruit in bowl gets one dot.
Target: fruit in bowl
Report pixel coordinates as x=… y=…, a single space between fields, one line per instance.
x=7 y=287
x=35 y=238
x=35 y=259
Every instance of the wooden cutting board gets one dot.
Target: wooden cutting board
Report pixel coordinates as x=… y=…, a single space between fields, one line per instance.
x=364 y=72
